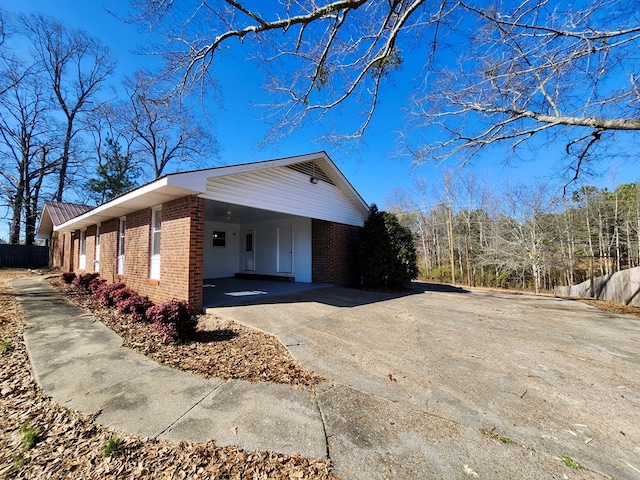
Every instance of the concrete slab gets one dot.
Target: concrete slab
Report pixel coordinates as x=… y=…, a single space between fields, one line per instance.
x=371 y=438
x=256 y=416
x=75 y=380
x=147 y=404
x=240 y=291
x=557 y=377
x=81 y=364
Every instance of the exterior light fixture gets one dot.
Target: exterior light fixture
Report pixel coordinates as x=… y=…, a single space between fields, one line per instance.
x=314 y=180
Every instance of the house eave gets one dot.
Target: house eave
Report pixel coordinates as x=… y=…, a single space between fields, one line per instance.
x=148 y=196
x=178 y=185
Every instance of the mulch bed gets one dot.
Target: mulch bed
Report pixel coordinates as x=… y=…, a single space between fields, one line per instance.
x=221 y=348
x=69 y=445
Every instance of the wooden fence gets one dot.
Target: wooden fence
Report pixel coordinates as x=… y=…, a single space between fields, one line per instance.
x=23 y=256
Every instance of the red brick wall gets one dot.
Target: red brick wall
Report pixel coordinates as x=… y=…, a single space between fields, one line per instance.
x=90 y=235
x=182 y=248
x=109 y=249
x=136 y=254
x=59 y=245
x=334 y=253
x=181 y=251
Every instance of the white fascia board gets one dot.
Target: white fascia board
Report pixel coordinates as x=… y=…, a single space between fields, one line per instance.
x=45 y=225
x=198 y=179
x=146 y=196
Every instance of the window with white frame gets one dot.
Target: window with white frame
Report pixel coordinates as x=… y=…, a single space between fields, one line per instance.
x=156 y=227
x=82 y=257
x=121 y=237
x=96 y=260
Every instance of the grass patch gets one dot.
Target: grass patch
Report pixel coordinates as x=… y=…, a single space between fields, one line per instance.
x=30 y=436
x=112 y=447
x=17 y=463
x=495 y=436
x=570 y=462
x=6 y=346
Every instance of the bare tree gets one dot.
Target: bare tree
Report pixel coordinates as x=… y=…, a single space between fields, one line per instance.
x=25 y=149
x=492 y=73
x=77 y=66
x=163 y=130
x=541 y=68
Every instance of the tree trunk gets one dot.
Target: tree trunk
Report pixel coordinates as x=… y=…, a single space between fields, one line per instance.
x=64 y=161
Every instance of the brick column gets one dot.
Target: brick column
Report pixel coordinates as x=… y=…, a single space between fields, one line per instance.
x=334 y=253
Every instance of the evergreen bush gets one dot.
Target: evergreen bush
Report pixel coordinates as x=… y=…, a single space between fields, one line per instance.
x=121 y=294
x=387 y=255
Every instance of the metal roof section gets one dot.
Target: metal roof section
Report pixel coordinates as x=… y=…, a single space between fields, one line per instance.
x=57 y=213
x=266 y=185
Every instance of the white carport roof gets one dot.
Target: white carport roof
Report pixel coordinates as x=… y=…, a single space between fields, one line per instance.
x=178 y=185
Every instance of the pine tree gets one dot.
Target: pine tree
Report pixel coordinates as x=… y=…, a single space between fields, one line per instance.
x=115 y=174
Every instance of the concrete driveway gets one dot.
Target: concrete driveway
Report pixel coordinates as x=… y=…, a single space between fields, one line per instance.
x=465 y=384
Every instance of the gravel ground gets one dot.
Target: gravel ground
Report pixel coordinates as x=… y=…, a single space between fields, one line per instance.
x=40 y=439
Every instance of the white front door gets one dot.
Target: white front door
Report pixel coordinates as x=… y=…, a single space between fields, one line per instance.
x=285 y=249
x=249 y=254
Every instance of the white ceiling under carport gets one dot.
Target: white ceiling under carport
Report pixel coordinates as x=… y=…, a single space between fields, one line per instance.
x=223 y=212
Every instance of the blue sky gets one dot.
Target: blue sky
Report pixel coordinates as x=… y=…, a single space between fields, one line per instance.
x=374 y=168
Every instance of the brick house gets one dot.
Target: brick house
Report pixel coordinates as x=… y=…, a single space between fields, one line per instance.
x=295 y=217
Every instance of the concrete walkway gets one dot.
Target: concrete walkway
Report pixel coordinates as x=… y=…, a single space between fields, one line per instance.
x=82 y=365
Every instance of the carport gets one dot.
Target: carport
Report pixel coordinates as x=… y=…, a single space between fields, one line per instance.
x=219 y=292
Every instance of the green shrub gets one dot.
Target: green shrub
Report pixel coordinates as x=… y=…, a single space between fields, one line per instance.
x=174 y=320
x=387 y=256
x=112 y=447
x=30 y=436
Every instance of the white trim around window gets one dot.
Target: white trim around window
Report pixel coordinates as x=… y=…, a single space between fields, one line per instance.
x=156 y=234
x=82 y=257
x=122 y=230
x=96 y=259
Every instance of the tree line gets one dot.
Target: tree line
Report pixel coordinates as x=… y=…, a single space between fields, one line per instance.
x=524 y=238
x=67 y=133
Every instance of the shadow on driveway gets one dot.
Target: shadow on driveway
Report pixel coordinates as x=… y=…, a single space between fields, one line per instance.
x=235 y=292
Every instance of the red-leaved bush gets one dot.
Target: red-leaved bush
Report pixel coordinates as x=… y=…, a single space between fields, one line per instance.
x=95 y=284
x=67 y=277
x=122 y=294
x=83 y=280
x=174 y=320
x=136 y=306
x=105 y=293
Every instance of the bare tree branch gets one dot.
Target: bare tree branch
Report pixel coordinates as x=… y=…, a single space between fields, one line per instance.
x=491 y=73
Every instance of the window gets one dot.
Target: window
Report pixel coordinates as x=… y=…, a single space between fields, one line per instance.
x=82 y=260
x=96 y=260
x=121 y=233
x=219 y=239
x=156 y=226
